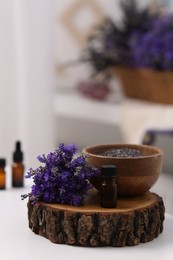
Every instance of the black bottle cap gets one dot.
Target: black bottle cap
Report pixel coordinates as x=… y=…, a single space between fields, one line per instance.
x=108 y=171
x=18 y=154
x=2 y=162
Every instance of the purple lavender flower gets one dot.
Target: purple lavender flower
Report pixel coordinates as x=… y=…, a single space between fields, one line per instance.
x=110 y=44
x=154 y=49
x=63 y=179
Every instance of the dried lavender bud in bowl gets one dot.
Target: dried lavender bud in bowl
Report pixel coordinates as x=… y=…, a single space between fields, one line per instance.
x=121 y=152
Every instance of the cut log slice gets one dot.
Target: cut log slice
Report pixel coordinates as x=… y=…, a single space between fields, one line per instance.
x=134 y=220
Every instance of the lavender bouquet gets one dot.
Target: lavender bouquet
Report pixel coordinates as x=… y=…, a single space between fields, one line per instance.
x=154 y=49
x=143 y=39
x=63 y=179
x=110 y=44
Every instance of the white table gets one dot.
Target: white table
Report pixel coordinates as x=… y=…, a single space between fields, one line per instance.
x=18 y=242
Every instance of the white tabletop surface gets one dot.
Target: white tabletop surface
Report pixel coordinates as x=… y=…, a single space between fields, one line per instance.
x=18 y=242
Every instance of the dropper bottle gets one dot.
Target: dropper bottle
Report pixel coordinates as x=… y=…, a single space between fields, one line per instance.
x=108 y=189
x=18 y=167
x=2 y=173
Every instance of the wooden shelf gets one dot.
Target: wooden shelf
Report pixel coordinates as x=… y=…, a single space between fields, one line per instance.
x=72 y=104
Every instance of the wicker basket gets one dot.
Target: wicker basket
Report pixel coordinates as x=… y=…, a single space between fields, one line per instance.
x=148 y=85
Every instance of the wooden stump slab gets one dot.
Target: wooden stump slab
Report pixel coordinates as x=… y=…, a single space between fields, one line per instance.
x=135 y=220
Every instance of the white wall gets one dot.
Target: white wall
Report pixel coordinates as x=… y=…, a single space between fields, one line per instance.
x=26 y=77
x=8 y=95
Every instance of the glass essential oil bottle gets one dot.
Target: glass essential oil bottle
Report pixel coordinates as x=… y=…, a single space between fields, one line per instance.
x=18 y=167
x=108 y=189
x=2 y=173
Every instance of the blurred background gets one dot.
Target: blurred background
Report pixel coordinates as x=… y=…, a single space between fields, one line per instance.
x=49 y=95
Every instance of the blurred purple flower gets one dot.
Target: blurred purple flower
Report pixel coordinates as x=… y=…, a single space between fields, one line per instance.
x=154 y=49
x=143 y=39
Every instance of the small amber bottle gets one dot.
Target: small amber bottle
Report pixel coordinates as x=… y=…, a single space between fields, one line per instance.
x=18 y=167
x=2 y=173
x=108 y=189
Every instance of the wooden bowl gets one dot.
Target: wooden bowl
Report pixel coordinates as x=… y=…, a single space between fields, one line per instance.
x=135 y=175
